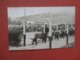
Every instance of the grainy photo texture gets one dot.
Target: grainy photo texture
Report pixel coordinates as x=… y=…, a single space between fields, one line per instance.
x=41 y=27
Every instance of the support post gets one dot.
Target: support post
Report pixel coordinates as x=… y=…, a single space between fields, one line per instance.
x=44 y=29
x=67 y=40
x=67 y=35
x=50 y=35
x=24 y=34
x=50 y=42
x=24 y=40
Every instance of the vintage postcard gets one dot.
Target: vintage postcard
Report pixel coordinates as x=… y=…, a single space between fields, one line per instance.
x=33 y=28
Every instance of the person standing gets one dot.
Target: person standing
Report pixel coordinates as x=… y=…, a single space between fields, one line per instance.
x=46 y=33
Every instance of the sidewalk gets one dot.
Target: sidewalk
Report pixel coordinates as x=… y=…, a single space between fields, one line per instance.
x=61 y=43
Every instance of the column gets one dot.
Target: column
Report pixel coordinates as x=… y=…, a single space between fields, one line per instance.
x=24 y=34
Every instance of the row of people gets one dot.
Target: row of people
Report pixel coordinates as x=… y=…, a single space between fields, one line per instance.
x=57 y=34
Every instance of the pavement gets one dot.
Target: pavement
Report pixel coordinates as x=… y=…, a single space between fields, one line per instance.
x=61 y=43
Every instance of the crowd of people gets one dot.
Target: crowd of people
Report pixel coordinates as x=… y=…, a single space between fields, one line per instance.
x=56 y=34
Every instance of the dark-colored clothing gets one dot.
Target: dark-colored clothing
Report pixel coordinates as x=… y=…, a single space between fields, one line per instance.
x=35 y=39
x=45 y=34
x=46 y=29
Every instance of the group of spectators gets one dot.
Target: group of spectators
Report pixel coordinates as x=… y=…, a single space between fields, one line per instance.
x=57 y=34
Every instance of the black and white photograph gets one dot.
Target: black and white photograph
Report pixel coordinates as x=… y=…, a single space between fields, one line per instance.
x=35 y=28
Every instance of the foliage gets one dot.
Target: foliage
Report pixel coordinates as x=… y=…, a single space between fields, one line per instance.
x=14 y=22
x=15 y=35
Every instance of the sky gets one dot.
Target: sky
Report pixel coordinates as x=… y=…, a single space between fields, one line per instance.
x=14 y=12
